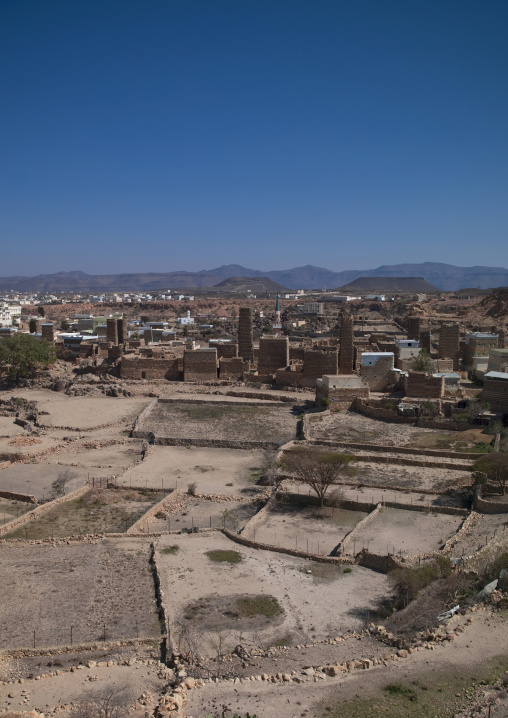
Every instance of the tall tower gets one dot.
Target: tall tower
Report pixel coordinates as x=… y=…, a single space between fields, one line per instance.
x=245 y=338
x=277 y=327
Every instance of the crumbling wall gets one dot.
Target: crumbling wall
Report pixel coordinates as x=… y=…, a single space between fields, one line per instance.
x=226 y=351
x=379 y=375
x=231 y=368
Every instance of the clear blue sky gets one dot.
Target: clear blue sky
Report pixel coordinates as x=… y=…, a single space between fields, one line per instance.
x=159 y=135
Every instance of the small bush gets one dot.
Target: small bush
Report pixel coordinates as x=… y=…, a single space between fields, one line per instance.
x=259 y=606
x=170 y=549
x=192 y=488
x=396 y=689
x=348 y=570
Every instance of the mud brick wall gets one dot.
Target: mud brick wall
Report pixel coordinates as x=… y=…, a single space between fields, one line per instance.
x=289 y=377
x=424 y=386
x=449 y=343
x=47 y=331
x=414 y=327
x=200 y=365
x=273 y=354
x=426 y=340
x=296 y=353
x=227 y=351
x=495 y=391
x=115 y=352
x=87 y=350
x=317 y=362
x=112 y=330
x=378 y=376
x=245 y=336
x=231 y=368
x=149 y=368
x=346 y=351
x=147 y=336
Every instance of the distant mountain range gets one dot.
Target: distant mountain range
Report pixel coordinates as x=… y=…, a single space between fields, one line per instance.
x=391 y=284
x=444 y=276
x=249 y=284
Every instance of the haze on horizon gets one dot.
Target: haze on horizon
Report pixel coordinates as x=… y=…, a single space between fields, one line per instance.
x=164 y=136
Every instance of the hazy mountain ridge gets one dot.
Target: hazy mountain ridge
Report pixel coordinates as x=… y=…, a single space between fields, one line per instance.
x=444 y=276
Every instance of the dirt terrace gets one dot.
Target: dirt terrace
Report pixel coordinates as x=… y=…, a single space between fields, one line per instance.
x=234 y=422
x=49 y=588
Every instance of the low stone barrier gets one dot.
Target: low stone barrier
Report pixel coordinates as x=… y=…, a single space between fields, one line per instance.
x=464 y=456
x=289 y=551
x=216 y=443
x=463 y=528
x=140 y=525
x=376 y=562
x=166 y=646
x=347 y=540
x=13 y=496
x=43 y=508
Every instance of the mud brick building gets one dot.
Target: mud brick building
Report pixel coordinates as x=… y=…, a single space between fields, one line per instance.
x=245 y=334
x=317 y=362
x=273 y=354
x=424 y=386
x=34 y=326
x=121 y=328
x=231 y=368
x=112 y=330
x=48 y=333
x=376 y=369
x=414 y=328
x=226 y=351
x=340 y=391
x=200 y=365
x=151 y=368
x=449 y=343
x=346 y=351
x=426 y=340
x=495 y=390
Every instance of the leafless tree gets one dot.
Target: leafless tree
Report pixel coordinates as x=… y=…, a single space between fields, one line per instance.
x=59 y=484
x=318 y=469
x=108 y=702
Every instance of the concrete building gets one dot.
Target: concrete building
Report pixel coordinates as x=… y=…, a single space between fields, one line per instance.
x=311 y=308
x=498 y=360
x=185 y=320
x=477 y=348
x=9 y=314
x=340 y=391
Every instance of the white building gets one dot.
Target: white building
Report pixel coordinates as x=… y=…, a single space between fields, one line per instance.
x=9 y=314
x=185 y=320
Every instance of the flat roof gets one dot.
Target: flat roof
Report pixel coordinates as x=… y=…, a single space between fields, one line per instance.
x=496 y=375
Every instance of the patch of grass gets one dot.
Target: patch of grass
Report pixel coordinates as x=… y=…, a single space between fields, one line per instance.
x=286 y=640
x=398 y=689
x=223 y=556
x=170 y=550
x=348 y=570
x=259 y=606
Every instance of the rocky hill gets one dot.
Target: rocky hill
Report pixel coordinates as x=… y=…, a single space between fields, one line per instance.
x=391 y=284
x=249 y=284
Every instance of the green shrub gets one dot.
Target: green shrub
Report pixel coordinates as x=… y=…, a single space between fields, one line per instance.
x=224 y=556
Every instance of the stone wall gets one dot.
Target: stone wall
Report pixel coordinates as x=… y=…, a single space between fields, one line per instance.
x=200 y=365
x=296 y=353
x=290 y=376
x=484 y=506
x=273 y=354
x=151 y=368
x=112 y=330
x=47 y=331
x=414 y=327
x=13 y=496
x=341 y=399
x=43 y=508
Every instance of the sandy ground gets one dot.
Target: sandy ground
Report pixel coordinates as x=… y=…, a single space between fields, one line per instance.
x=307 y=528
x=315 y=699
x=205 y=514
x=321 y=603
x=50 y=588
x=408 y=532
x=36 y=479
x=214 y=470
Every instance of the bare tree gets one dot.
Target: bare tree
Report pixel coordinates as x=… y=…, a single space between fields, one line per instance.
x=59 y=484
x=492 y=467
x=108 y=702
x=318 y=469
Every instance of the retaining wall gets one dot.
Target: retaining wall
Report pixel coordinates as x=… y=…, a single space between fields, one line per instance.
x=13 y=496
x=43 y=508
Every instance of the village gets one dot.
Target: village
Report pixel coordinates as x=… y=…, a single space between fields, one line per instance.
x=168 y=544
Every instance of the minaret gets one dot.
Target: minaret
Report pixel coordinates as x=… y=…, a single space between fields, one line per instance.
x=277 y=326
